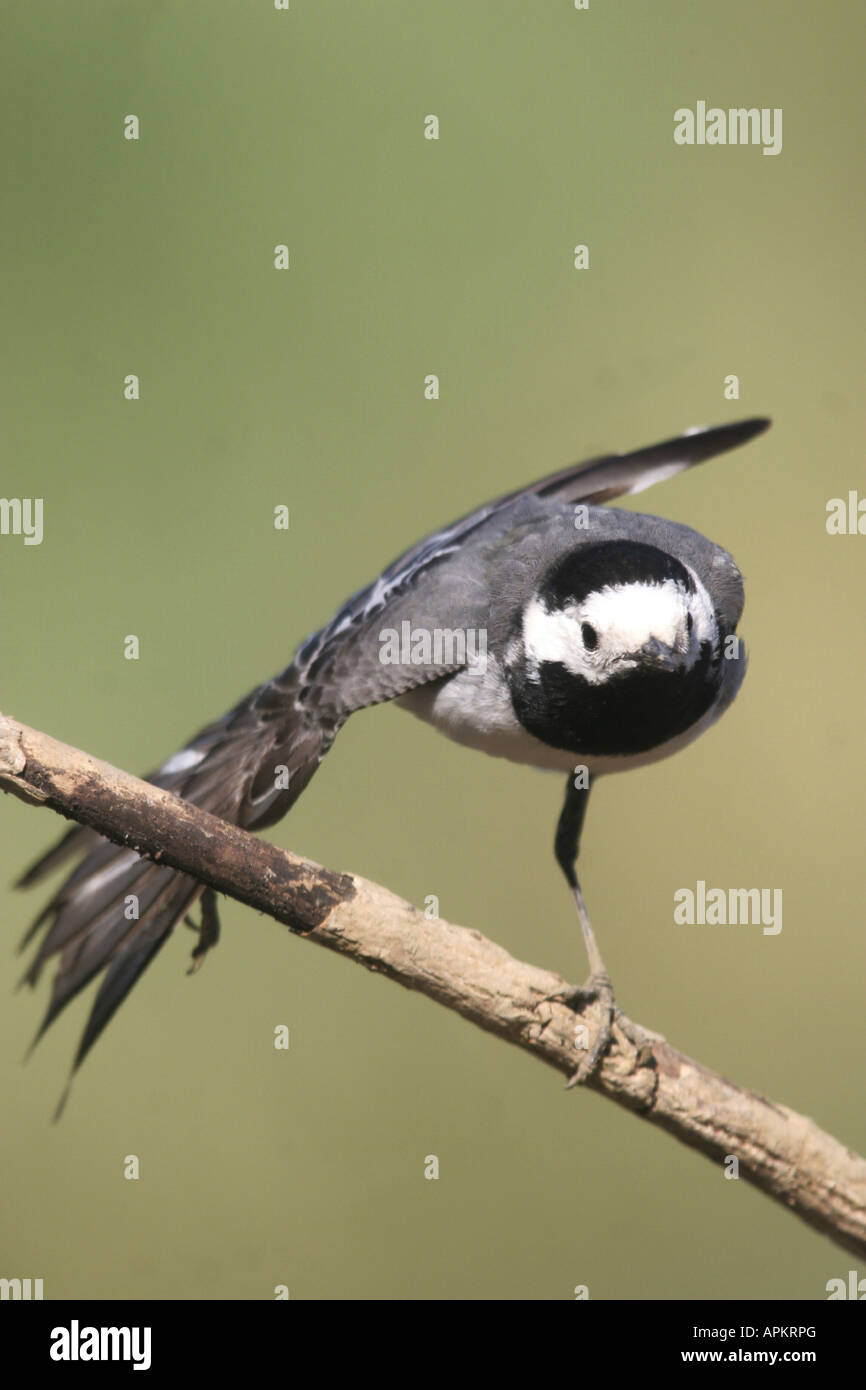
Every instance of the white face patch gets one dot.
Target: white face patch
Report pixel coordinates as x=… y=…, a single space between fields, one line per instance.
x=620 y=626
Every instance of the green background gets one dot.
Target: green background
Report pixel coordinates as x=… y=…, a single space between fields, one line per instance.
x=408 y=257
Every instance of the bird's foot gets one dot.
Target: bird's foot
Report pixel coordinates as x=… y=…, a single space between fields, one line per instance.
x=208 y=929
x=597 y=990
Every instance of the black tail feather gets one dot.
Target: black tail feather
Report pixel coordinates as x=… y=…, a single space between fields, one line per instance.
x=73 y=842
x=133 y=959
x=235 y=769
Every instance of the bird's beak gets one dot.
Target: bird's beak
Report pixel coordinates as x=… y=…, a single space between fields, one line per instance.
x=658 y=653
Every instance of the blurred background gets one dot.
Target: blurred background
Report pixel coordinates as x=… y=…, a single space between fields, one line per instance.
x=306 y=388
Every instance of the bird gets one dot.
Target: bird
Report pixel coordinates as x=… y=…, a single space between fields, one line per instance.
x=545 y=627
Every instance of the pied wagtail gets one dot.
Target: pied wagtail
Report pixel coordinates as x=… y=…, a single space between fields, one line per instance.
x=609 y=643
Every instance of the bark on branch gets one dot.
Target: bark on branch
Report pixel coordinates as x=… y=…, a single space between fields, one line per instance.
x=784 y=1154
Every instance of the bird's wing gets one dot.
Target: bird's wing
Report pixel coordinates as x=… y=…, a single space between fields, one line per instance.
x=341 y=663
x=602 y=479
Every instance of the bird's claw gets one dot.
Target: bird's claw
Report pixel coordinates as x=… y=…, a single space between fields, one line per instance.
x=597 y=990
x=208 y=929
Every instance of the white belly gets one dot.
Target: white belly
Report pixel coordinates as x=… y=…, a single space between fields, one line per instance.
x=475 y=709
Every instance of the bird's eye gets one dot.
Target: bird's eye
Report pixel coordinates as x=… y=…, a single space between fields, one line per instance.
x=590 y=636
x=689 y=623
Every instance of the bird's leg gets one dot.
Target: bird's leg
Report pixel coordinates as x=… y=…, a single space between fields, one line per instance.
x=208 y=929
x=598 y=987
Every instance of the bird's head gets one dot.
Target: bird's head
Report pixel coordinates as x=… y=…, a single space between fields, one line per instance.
x=618 y=650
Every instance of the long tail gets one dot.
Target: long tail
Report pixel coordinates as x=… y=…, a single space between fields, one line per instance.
x=116 y=910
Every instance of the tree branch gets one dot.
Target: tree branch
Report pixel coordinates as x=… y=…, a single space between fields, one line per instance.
x=784 y=1154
